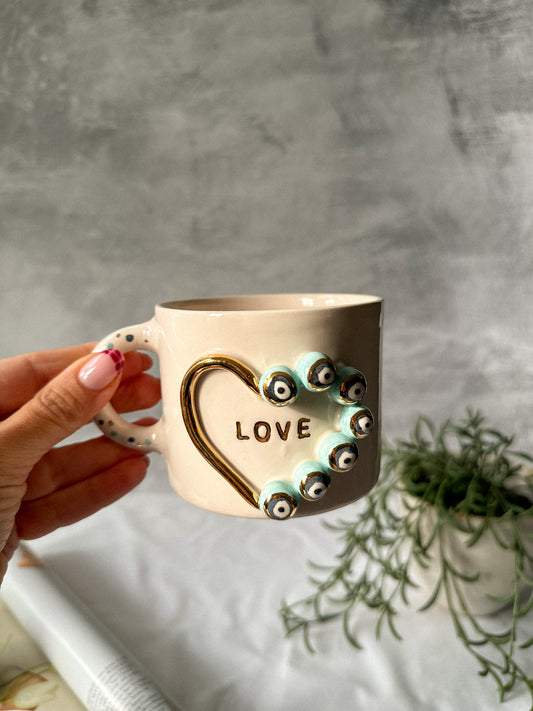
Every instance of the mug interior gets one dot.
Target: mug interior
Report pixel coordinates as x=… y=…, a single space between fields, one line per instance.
x=271 y=302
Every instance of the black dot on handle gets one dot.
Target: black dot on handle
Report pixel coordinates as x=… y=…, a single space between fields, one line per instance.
x=129 y=337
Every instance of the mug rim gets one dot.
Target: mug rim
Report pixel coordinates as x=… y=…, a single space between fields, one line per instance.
x=262 y=303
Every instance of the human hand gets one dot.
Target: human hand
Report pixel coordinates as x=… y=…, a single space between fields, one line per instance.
x=44 y=398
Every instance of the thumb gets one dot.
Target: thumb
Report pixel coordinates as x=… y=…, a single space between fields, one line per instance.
x=62 y=406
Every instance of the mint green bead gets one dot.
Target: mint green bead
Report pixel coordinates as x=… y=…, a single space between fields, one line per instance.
x=279 y=386
x=311 y=480
x=357 y=421
x=338 y=451
x=349 y=386
x=316 y=371
x=278 y=500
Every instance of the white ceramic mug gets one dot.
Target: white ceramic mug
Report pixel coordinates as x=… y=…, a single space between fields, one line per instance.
x=267 y=400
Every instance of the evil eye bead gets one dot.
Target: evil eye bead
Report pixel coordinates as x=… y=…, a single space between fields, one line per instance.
x=312 y=480
x=349 y=386
x=356 y=420
x=278 y=500
x=279 y=386
x=338 y=451
x=316 y=371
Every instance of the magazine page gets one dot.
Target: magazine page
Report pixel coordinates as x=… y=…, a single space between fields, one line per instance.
x=98 y=669
x=27 y=679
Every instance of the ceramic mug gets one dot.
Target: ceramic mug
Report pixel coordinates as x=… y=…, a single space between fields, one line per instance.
x=270 y=403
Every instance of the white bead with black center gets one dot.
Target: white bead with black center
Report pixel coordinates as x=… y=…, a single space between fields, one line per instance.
x=278 y=500
x=355 y=389
x=279 y=386
x=281 y=389
x=316 y=371
x=343 y=458
x=349 y=387
x=312 y=480
x=362 y=425
x=323 y=375
x=315 y=487
x=338 y=452
x=357 y=420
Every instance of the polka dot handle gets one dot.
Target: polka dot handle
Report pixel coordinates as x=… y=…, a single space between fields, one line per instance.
x=143 y=336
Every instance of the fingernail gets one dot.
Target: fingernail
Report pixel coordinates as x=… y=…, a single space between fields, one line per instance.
x=102 y=369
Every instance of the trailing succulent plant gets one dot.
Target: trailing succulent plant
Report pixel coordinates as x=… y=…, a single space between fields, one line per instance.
x=468 y=477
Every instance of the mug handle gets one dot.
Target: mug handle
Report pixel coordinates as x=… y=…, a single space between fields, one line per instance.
x=143 y=336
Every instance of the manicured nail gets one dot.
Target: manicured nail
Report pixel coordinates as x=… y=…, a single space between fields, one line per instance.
x=102 y=369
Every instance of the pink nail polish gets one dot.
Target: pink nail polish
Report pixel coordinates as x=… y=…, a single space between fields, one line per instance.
x=102 y=369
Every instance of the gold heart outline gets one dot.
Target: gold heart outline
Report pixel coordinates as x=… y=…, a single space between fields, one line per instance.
x=189 y=411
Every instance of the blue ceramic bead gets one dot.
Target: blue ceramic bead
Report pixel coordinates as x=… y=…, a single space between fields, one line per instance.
x=279 y=386
x=316 y=371
x=338 y=451
x=278 y=500
x=312 y=480
x=349 y=386
x=357 y=421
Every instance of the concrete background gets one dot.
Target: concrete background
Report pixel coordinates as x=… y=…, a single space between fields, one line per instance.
x=162 y=149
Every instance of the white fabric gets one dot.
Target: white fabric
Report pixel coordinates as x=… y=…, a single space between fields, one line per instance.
x=195 y=597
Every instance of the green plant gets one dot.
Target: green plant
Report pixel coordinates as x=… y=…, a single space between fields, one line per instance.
x=467 y=475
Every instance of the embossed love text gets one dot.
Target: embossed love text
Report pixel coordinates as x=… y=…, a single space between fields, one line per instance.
x=263 y=431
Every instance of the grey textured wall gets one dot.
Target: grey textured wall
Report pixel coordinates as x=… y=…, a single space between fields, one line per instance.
x=156 y=149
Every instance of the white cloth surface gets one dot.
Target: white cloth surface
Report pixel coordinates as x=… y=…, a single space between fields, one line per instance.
x=195 y=597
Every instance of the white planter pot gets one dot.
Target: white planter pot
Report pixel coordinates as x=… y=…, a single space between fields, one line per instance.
x=493 y=564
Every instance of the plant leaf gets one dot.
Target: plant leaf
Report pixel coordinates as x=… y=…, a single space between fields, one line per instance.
x=433 y=597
